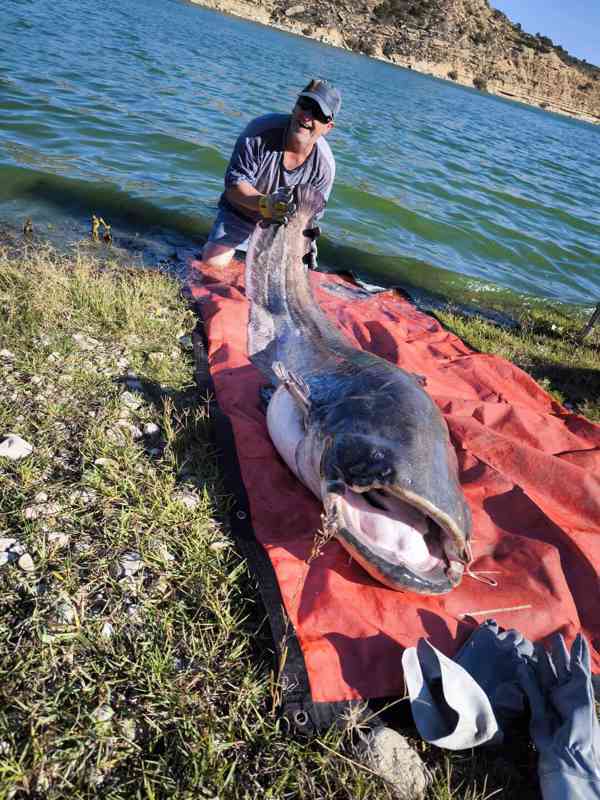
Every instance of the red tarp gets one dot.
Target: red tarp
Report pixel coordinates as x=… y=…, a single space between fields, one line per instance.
x=529 y=468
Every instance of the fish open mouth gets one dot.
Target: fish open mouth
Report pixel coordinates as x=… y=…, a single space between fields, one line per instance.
x=397 y=538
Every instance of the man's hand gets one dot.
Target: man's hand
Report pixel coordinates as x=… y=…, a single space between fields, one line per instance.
x=278 y=206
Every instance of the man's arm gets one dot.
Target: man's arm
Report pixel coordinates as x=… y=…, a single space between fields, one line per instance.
x=245 y=195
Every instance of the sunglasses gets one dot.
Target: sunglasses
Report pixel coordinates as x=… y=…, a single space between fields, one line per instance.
x=306 y=104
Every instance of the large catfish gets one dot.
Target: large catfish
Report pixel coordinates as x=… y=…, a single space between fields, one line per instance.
x=358 y=431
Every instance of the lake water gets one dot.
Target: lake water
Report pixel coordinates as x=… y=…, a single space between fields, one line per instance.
x=130 y=109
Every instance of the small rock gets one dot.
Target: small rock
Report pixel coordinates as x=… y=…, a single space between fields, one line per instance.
x=107 y=631
x=134 y=613
x=14 y=447
x=26 y=563
x=390 y=755
x=122 y=363
x=151 y=429
x=129 y=564
x=216 y=546
x=85 y=342
x=83 y=496
x=130 y=400
x=65 y=612
x=40 y=497
x=103 y=714
x=295 y=10
x=7 y=355
x=59 y=539
x=187 y=499
x=42 y=510
x=105 y=462
x=128 y=426
x=6 y=544
x=128 y=729
x=160 y=550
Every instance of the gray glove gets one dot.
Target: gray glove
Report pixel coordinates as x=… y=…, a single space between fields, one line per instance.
x=449 y=708
x=564 y=726
x=492 y=657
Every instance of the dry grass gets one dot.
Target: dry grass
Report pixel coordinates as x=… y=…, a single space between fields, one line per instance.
x=157 y=683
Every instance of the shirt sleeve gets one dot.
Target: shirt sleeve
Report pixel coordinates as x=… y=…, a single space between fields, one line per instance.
x=244 y=162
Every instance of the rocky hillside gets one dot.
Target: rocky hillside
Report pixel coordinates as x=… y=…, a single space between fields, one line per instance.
x=467 y=41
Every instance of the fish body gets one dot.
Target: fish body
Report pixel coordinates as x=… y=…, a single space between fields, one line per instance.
x=359 y=432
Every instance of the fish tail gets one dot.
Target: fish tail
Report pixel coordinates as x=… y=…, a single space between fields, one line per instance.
x=309 y=201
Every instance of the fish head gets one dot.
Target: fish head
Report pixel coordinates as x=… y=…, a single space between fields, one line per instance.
x=393 y=529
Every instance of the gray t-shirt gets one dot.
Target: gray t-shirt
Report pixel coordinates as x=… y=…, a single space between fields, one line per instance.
x=257 y=158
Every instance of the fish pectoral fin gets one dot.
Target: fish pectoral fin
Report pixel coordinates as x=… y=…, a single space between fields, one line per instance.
x=296 y=386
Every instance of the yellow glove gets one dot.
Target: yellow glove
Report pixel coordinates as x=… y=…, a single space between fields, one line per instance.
x=278 y=206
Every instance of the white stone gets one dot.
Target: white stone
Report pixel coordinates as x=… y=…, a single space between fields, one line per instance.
x=6 y=543
x=42 y=510
x=85 y=342
x=107 y=631
x=187 y=499
x=14 y=447
x=160 y=550
x=133 y=429
x=40 y=497
x=105 y=462
x=151 y=429
x=134 y=613
x=65 y=612
x=103 y=714
x=295 y=10
x=391 y=756
x=129 y=564
x=131 y=400
x=26 y=563
x=128 y=729
x=6 y=355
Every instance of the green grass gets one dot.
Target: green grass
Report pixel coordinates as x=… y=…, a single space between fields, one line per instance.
x=160 y=684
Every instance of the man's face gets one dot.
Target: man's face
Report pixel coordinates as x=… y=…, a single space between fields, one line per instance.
x=308 y=121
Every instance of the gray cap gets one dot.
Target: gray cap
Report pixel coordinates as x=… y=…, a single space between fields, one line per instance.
x=325 y=94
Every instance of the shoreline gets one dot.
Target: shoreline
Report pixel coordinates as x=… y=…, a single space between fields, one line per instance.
x=334 y=38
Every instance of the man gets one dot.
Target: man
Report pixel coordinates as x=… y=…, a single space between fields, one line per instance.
x=273 y=154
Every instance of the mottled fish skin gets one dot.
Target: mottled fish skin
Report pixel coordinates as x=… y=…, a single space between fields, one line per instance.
x=369 y=424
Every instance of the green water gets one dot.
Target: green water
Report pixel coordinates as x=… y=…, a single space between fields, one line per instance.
x=130 y=110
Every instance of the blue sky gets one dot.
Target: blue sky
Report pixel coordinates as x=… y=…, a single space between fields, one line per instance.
x=575 y=25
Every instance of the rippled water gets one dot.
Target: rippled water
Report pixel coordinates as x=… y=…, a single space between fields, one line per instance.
x=131 y=108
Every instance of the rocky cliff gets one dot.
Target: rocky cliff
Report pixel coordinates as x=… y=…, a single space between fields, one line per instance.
x=466 y=41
